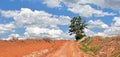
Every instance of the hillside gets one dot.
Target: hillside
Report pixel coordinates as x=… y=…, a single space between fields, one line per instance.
x=96 y=46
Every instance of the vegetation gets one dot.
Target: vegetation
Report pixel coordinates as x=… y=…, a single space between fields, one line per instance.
x=91 y=50
x=99 y=46
x=77 y=27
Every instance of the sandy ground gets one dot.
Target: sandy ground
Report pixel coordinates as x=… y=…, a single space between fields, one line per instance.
x=38 y=48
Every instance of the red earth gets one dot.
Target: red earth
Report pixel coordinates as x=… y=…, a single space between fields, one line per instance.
x=40 y=48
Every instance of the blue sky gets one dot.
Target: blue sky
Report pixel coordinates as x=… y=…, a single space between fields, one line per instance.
x=50 y=18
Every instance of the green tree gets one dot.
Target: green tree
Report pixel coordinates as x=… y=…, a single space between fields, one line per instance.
x=77 y=27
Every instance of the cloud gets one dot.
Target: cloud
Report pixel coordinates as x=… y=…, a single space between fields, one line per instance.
x=83 y=7
x=7 y=28
x=112 y=30
x=52 y=3
x=97 y=24
x=88 y=11
x=14 y=35
x=113 y=4
x=43 y=32
x=9 y=13
x=116 y=21
x=88 y=32
x=26 y=17
x=80 y=7
x=46 y=32
x=38 y=23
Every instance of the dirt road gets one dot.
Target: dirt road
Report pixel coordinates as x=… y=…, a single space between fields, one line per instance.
x=67 y=49
x=40 y=49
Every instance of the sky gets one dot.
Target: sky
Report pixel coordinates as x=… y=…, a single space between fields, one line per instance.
x=51 y=18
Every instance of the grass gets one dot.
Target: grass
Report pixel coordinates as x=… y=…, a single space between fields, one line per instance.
x=115 y=54
x=110 y=46
x=84 y=48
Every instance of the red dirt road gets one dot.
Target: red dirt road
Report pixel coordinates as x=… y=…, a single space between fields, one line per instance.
x=34 y=48
x=68 y=49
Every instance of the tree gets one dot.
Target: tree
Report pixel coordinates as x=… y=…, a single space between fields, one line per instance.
x=77 y=27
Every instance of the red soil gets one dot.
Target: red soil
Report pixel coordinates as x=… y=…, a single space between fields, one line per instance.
x=38 y=48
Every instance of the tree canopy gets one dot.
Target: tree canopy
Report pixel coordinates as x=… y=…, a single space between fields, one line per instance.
x=77 y=27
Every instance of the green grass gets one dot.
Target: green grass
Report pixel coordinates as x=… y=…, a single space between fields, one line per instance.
x=84 y=48
x=95 y=48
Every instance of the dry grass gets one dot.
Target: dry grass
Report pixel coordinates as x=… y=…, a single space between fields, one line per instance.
x=109 y=46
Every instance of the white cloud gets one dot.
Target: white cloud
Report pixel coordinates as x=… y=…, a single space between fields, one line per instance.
x=97 y=24
x=9 y=13
x=52 y=3
x=112 y=30
x=116 y=21
x=114 y=4
x=6 y=28
x=46 y=32
x=88 y=32
x=38 y=23
x=14 y=35
x=87 y=11
x=83 y=8
x=36 y=31
x=79 y=7
x=27 y=17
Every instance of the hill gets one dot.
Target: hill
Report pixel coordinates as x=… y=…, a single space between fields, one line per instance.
x=96 y=46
